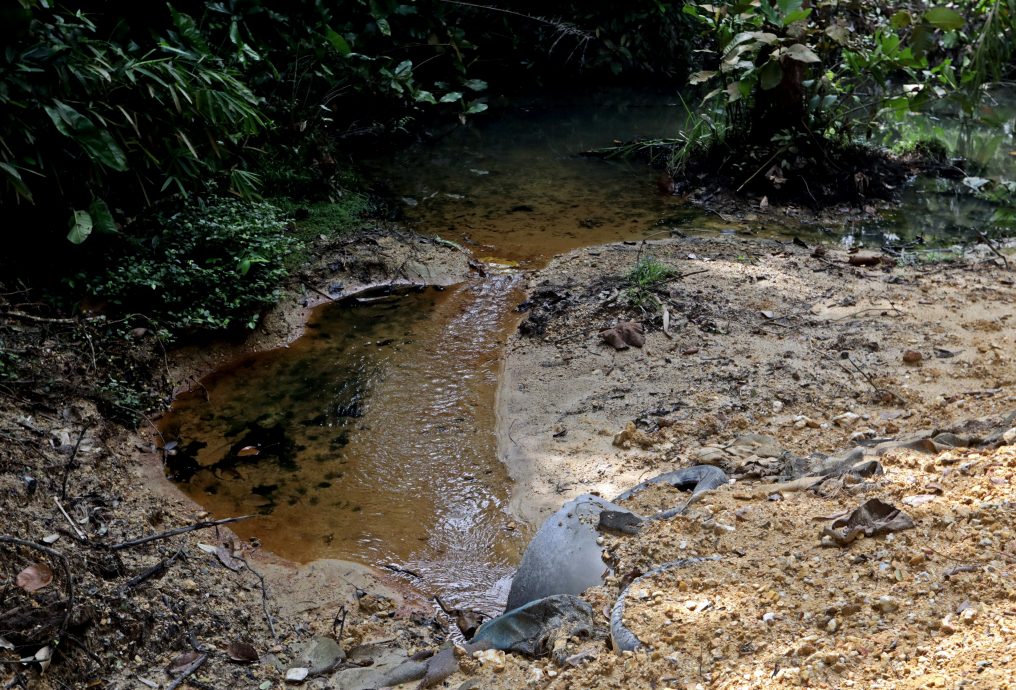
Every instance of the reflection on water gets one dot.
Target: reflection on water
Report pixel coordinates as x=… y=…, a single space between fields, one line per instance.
x=943 y=211
x=371 y=438
x=518 y=188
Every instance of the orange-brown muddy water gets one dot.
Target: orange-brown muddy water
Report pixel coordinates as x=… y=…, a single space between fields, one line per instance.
x=372 y=438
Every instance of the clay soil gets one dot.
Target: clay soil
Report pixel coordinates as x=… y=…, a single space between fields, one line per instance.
x=761 y=337
x=773 y=353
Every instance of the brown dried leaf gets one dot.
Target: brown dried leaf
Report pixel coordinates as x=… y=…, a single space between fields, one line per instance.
x=35 y=577
x=181 y=662
x=624 y=334
x=226 y=559
x=247 y=451
x=241 y=652
x=864 y=260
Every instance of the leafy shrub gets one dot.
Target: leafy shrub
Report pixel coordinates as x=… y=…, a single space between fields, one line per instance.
x=208 y=266
x=777 y=65
x=103 y=114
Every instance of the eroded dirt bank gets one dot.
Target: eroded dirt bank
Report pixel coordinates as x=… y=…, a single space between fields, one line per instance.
x=76 y=488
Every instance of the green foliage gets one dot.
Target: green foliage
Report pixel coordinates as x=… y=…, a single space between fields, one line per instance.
x=206 y=267
x=126 y=401
x=777 y=65
x=106 y=111
x=644 y=278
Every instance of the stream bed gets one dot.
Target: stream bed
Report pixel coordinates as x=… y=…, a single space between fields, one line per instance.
x=372 y=437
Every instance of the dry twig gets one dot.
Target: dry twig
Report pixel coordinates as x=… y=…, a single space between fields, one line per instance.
x=204 y=524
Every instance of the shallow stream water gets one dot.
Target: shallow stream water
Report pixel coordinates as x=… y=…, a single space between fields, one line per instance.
x=372 y=438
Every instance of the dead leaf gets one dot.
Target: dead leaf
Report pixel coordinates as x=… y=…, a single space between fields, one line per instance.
x=248 y=451
x=35 y=577
x=624 y=334
x=241 y=652
x=181 y=662
x=44 y=656
x=764 y=203
x=768 y=314
x=226 y=558
x=864 y=260
x=5 y=643
x=873 y=518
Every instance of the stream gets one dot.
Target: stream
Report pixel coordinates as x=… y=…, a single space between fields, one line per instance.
x=372 y=437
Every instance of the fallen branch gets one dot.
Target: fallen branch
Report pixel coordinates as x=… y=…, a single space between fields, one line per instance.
x=320 y=292
x=984 y=238
x=204 y=524
x=44 y=319
x=156 y=569
x=77 y=530
x=70 y=462
x=187 y=671
x=65 y=564
x=264 y=596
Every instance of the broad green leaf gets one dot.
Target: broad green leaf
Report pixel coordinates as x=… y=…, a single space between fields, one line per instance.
x=102 y=217
x=425 y=97
x=802 y=53
x=770 y=76
x=796 y=16
x=712 y=94
x=700 y=77
x=404 y=69
x=944 y=18
x=451 y=97
x=476 y=84
x=14 y=178
x=788 y=6
x=756 y=36
x=901 y=19
x=476 y=107
x=898 y=105
x=340 y=44
x=384 y=27
x=81 y=227
x=98 y=143
x=733 y=91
